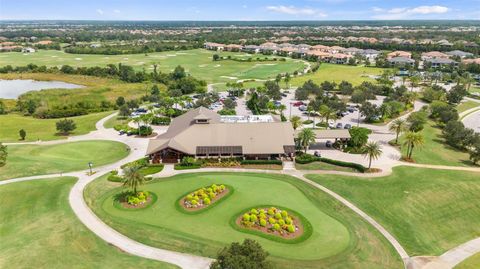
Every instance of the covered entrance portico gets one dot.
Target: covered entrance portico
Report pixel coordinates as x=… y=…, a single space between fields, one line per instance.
x=167 y=155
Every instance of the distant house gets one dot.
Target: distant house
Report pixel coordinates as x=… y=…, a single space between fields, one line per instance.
x=370 y=54
x=233 y=47
x=214 y=46
x=44 y=42
x=251 y=49
x=320 y=48
x=399 y=54
x=28 y=50
x=353 y=51
x=459 y=53
x=401 y=61
x=441 y=62
x=340 y=58
x=471 y=61
x=433 y=55
x=444 y=43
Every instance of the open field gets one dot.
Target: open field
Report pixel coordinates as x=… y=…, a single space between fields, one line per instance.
x=197 y=62
x=467 y=105
x=435 y=151
x=110 y=123
x=30 y=160
x=339 y=239
x=337 y=73
x=43 y=129
x=39 y=230
x=428 y=211
x=470 y=263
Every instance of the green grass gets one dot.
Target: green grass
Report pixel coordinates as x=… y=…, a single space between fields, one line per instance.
x=435 y=150
x=428 y=211
x=110 y=123
x=467 y=105
x=340 y=239
x=43 y=129
x=30 y=160
x=471 y=263
x=323 y=166
x=336 y=72
x=150 y=170
x=39 y=230
x=197 y=62
x=475 y=89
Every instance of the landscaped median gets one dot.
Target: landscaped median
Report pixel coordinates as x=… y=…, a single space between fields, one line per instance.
x=310 y=162
x=333 y=236
x=192 y=163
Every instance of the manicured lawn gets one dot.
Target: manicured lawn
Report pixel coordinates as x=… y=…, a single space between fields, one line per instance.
x=43 y=129
x=197 y=62
x=30 y=160
x=339 y=240
x=110 y=123
x=467 y=105
x=435 y=151
x=337 y=73
x=471 y=263
x=428 y=211
x=39 y=230
x=323 y=166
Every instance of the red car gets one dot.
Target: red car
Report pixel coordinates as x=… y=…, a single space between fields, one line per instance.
x=299 y=103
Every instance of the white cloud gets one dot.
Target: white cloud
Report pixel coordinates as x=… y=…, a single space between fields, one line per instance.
x=291 y=10
x=403 y=12
x=99 y=11
x=116 y=11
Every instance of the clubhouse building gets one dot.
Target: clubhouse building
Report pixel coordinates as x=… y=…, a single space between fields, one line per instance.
x=202 y=133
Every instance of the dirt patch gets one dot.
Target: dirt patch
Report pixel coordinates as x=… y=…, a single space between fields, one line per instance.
x=199 y=207
x=268 y=230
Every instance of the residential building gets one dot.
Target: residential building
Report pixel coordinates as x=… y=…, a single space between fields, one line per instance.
x=433 y=55
x=440 y=62
x=459 y=53
x=401 y=61
x=214 y=46
x=399 y=53
x=28 y=50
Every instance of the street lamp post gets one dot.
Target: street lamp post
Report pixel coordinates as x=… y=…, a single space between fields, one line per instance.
x=90 y=164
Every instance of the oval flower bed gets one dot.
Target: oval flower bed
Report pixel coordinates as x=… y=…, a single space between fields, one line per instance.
x=275 y=222
x=141 y=199
x=203 y=197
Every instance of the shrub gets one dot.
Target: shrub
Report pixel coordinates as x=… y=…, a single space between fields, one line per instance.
x=308 y=158
x=276 y=227
x=161 y=121
x=262 y=215
x=291 y=228
x=206 y=201
x=281 y=222
x=246 y=217
x=263 y=222
x=271 y=211
x=194 y=202
x=288 y=221
x=245 y=162
x=284 y=213
x=254 y=211
x=145 y=130
x=278 y=215
x=253 y=218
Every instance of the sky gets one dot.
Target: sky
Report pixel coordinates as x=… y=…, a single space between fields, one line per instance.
x=242 y=10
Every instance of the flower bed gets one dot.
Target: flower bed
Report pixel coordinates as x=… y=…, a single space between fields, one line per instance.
x=141 y=199
x=272 y=221
x=203 y=197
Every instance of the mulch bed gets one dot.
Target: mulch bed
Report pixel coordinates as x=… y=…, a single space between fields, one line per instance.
x=125 y=204
x=199 y=207
x=285 y=234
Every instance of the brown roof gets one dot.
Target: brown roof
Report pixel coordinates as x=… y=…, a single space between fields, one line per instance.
x=186 y=136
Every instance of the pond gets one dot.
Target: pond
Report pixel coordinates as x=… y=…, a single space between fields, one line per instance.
x=11 y=89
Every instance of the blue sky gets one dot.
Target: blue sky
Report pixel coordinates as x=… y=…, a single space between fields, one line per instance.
x=238 y=9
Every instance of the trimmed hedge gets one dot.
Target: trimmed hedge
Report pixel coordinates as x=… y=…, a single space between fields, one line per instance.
x=161 y=121
x=307 y=158
x=186 y=167
x=261 y=162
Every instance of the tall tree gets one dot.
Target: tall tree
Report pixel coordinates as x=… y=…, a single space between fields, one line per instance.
x=398 y=126
x=133 y=177
x=412 y=140
x=249 y=254
x=306 y=137
x=372 y=151
x=65 y=126
x=296 y=122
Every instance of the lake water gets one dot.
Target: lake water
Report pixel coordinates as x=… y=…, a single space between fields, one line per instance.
x=11 y=89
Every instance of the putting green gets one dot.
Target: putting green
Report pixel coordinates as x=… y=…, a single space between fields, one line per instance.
x=39 y=230
x=30 y=160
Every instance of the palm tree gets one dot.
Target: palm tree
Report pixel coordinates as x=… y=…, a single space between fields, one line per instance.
x=287 y=79
x=281 y=108
x=414 y=80
x=373 y=151
x=296 y=122
x=398 y=126
x=327 y=113
x=306 y=137
x=137 y=120
x=133 y=177
x=412 y=139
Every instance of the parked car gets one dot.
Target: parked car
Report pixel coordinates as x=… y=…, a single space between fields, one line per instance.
x=121 y=132
x=339 y=125
x=129 y=133
x=328 y=144
x=347 y=126
x=317 y=153
x=351 y=109
x=284 y=95
x=331 y=125
x=303 y=108
x=298 y=103
x=141 y=110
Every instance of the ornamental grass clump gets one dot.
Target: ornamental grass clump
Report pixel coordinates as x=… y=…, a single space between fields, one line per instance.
x=270 y=220
x=203 y=196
